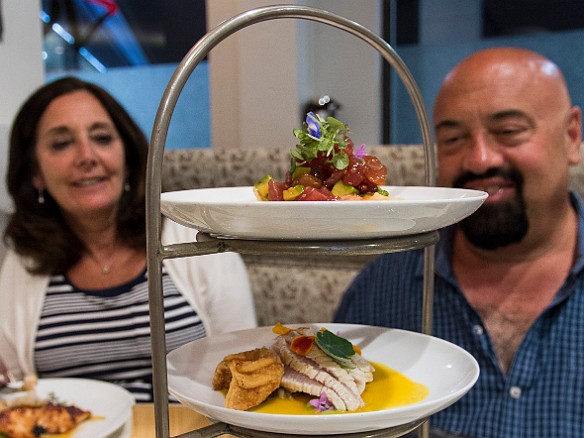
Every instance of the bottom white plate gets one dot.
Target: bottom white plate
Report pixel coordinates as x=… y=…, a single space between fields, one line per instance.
x=446 y=369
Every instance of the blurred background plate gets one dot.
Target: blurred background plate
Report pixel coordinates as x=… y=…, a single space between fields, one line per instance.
x=110 y=404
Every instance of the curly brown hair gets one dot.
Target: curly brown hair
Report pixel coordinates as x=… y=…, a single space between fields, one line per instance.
x=39 y=231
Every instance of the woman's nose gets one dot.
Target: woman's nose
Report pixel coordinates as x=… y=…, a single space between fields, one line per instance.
x=86 y=153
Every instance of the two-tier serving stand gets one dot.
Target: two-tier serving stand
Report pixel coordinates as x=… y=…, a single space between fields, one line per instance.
x=206 y=244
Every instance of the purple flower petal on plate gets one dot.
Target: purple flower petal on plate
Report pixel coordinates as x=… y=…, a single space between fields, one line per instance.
x=322 y=403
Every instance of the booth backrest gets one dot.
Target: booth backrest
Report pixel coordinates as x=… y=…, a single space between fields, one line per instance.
x=304 y=288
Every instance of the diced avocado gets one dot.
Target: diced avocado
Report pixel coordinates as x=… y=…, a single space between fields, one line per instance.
x=260 y=188
x=382 y=191
x=341 y=189
x=293 y=192
x=302 y=170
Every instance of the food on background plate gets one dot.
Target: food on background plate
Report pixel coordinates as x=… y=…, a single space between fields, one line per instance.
x=301 y=360
x=325 y=166
x=29 y=416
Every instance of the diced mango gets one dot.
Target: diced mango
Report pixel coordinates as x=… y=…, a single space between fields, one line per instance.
x=293 y=192
x=260 y=188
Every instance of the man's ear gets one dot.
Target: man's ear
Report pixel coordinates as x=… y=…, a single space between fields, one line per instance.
x=574 y=133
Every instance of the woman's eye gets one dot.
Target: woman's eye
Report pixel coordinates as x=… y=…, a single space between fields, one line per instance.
x=103 y=139
x=60 y=144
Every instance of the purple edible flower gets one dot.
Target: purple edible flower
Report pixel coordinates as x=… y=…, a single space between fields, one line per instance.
x=360 y=151
x=313 y=125
x=321 y=404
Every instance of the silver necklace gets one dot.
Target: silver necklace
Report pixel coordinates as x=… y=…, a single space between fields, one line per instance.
x=106 y=266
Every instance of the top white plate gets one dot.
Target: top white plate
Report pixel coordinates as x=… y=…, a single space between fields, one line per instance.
x=235 y=212
x=446 y=369
x=111 y=404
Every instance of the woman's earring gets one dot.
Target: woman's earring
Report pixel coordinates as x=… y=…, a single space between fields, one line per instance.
x=127 y=186
x=41 y=197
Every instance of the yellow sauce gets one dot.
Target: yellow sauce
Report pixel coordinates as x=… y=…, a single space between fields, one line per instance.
x=389 y=389
x=71 y=432
x=60 y=435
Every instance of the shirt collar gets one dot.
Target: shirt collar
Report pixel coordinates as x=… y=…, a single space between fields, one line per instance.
x=443 y=265
x=579 y=257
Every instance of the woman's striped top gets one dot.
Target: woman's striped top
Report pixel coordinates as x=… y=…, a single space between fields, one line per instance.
x=105 y=334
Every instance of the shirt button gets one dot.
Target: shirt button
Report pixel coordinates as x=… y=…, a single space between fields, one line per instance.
x=515 y=392
x=478 y=329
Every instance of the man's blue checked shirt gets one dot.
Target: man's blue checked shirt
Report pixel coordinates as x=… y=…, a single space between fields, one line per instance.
x=542 y=395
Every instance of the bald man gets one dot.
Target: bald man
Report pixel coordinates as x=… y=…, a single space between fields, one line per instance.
x=509 y=282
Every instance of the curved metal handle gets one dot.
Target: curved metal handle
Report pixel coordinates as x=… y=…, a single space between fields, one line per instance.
x=241 y=21
x=156 y=253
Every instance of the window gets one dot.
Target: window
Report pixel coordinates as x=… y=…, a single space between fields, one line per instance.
x=131 y=48
x=431 y=36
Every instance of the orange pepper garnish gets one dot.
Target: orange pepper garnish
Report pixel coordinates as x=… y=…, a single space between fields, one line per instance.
x=280 y=329
x=302 y=344
x=357 y=350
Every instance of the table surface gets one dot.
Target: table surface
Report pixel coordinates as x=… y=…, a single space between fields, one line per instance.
x=181 y=419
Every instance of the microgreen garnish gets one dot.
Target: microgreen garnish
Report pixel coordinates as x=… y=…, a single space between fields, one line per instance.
x=382 y=191
x=321 y=135
x=336 y=347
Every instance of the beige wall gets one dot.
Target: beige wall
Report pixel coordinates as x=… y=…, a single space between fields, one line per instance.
x=252 y=79
x=343 y=66
x=261 y=76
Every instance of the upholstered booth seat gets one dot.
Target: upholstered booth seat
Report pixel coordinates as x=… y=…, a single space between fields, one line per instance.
x=292 y=289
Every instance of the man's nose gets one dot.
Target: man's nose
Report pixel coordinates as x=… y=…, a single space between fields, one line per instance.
x=481 y=155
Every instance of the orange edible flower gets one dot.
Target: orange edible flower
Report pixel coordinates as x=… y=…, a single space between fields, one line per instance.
x=280 y=329
x=302 y=344
x=357 y=350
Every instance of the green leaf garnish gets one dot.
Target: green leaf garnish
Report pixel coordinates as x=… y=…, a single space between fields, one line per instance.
x=336 y=347
x=328 y=137
x=341 y=160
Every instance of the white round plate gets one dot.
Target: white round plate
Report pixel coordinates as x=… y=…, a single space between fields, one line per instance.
x=235 y=212
x=446 y=369
x=111 y=404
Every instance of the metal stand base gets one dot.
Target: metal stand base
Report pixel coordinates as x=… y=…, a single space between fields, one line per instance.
x=220 y=429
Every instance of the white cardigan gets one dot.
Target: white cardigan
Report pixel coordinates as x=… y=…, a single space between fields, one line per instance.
x=216 y=286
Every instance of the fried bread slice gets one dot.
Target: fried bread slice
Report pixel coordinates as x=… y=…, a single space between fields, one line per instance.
x=249 y=377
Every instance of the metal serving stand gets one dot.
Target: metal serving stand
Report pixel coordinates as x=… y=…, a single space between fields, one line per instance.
x=206 y=244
